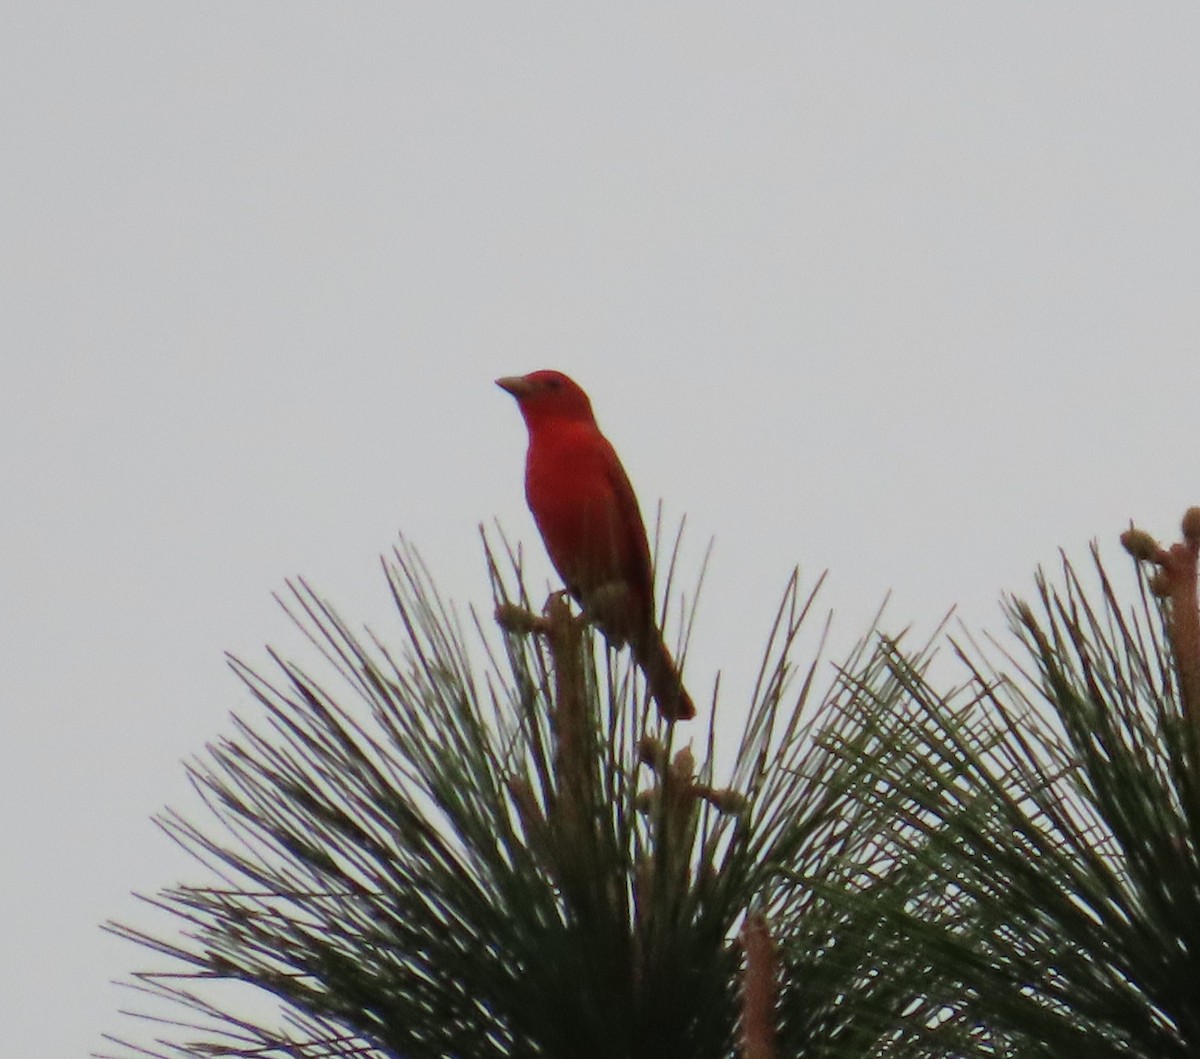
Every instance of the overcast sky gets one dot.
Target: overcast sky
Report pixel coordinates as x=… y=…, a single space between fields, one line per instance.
x=907 y=291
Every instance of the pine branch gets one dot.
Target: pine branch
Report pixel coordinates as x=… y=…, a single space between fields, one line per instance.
x=414 y=860
x=1043 y=822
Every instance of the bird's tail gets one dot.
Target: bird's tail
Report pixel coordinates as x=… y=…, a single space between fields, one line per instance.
x=662 y=676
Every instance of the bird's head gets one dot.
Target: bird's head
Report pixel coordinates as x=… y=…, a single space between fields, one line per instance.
x=548 y=395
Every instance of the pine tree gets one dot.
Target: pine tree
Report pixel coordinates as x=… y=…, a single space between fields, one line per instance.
x=418 y=860
x=427 y=863
x=1054 y=805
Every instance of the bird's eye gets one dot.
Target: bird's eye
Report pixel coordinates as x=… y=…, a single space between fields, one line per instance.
x=554 y=384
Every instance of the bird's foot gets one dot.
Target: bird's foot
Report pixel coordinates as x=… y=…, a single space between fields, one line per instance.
x=609 y=607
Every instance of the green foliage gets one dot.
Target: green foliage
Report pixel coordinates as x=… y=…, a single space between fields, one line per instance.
x=423 y=862
x=416 y=860
x=1054 y=812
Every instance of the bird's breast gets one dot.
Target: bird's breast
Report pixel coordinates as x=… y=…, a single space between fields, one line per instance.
x=571 y=489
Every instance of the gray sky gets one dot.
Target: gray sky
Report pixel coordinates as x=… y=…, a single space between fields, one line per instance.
x=908 y=291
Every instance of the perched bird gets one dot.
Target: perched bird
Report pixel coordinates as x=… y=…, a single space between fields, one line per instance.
x=588 y=516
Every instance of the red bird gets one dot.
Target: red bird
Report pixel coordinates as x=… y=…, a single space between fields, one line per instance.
x=588 y=516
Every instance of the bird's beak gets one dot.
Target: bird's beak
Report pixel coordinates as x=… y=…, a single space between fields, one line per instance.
x=517 y=385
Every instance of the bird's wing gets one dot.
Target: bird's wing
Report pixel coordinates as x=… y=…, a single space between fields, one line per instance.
x=631 y=544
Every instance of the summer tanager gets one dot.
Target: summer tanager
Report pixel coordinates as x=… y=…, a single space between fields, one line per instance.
x=588 y=516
